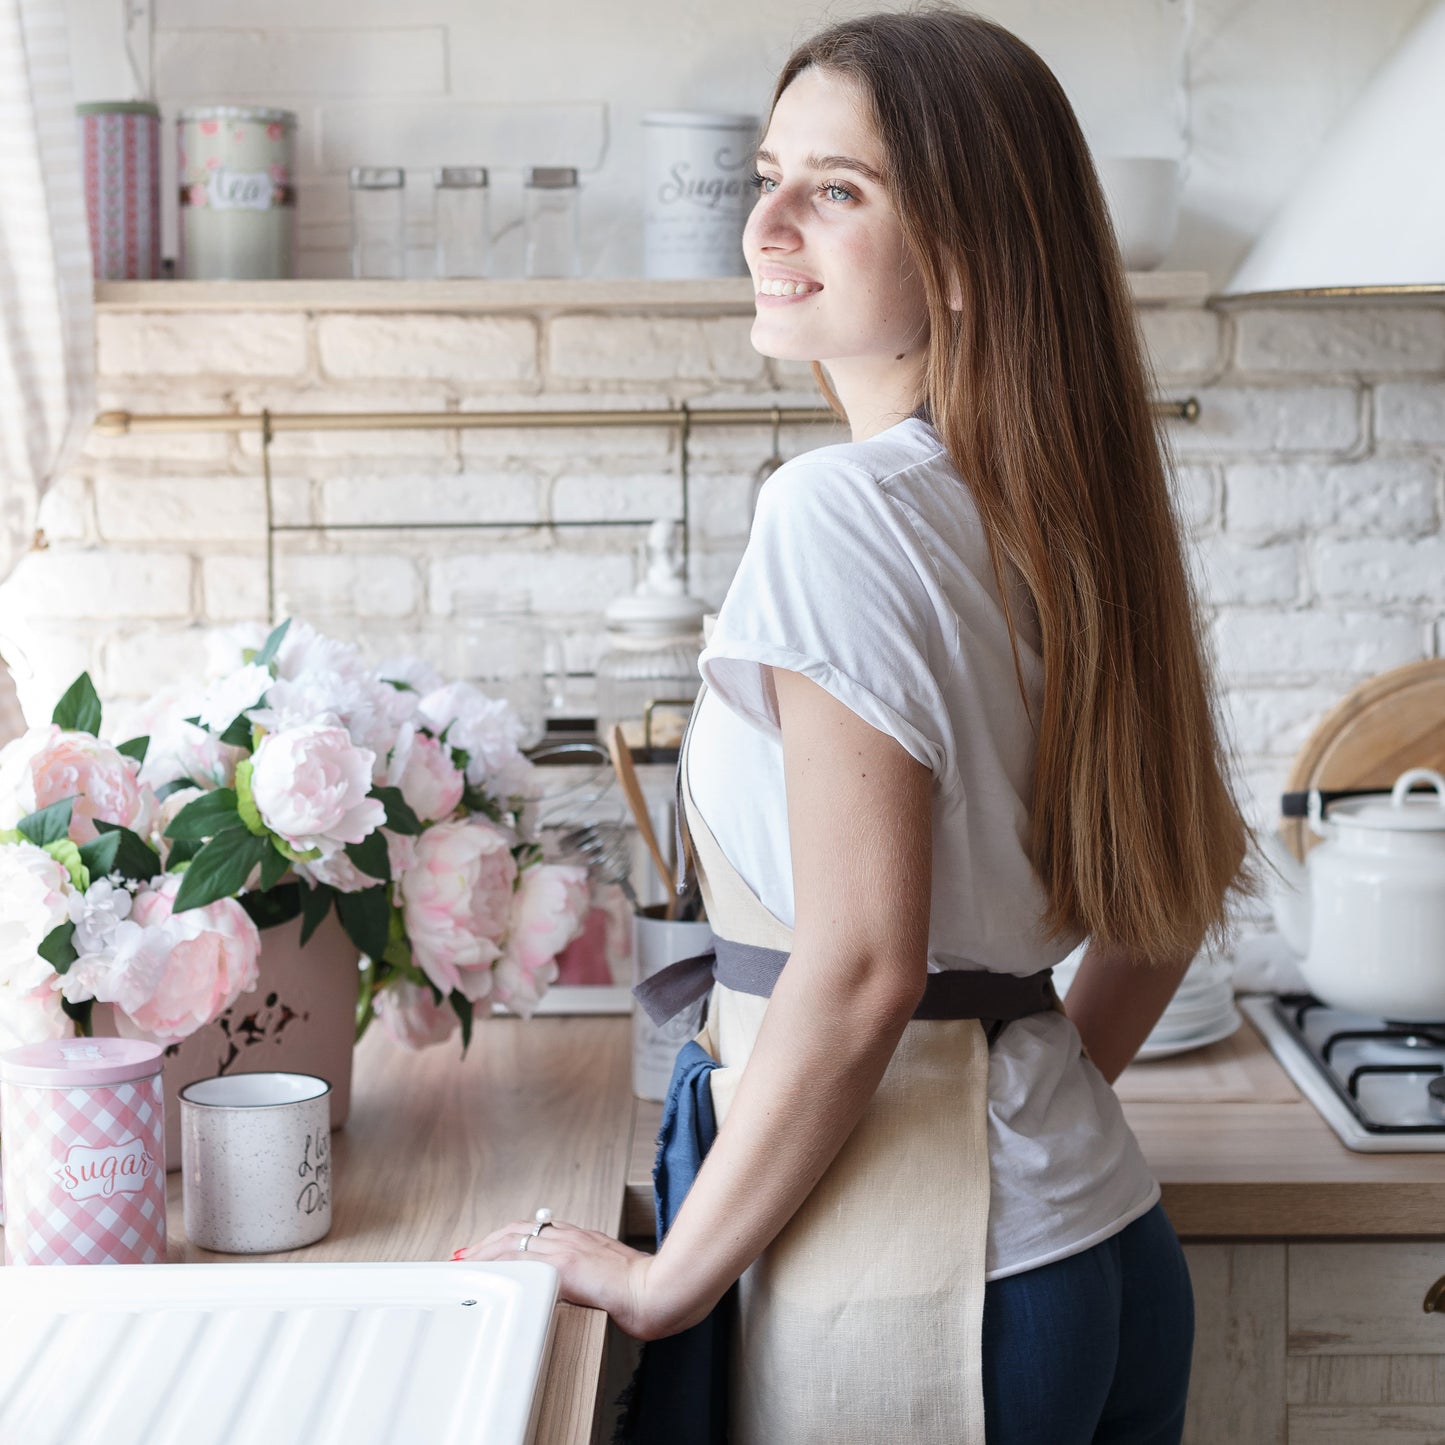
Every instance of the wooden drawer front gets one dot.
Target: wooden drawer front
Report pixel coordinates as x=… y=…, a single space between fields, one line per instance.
x=1367 y=1425
x=1364 y=1299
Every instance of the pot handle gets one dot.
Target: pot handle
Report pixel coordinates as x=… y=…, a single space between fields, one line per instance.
x=1406 y=781
x=1315 y=815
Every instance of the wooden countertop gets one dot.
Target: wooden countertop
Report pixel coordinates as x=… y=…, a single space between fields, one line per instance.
x=1237 y=1150
x=439 y=1151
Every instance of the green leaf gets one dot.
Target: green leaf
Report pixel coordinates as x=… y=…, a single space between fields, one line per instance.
x=399 y=816
x=371 y=856
x=220 y=869
x=57 y=948
x=206 y=816
x=270 y=910
x=315 y=900
x=366 y=917
x=462 y=1007
x=136 y=748
x=273 y=865
x=79 y=708
x=238 y=732
x=48 y=825
x=174 y=786
x=272 y=645
x=180 y=854
x=118 y=850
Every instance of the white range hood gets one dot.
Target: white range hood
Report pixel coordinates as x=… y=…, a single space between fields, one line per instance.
x=1370 y=209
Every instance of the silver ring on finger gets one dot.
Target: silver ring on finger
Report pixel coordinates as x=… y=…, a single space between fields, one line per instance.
x=544 y=1220
x=522 y=1242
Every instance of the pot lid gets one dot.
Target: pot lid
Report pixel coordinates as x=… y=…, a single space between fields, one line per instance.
x=1398 y=810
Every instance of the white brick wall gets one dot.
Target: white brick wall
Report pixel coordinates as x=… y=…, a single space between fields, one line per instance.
x=1313 y=490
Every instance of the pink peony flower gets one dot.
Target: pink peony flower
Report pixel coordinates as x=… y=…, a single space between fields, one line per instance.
x=548 y=911
x=311 y=783
x=457 y=901
x=48 y=764
x=412 y=1017
x=210 y=958
x=422 y=768
x=340 y=873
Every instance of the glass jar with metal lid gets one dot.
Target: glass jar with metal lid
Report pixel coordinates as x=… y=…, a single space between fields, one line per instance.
x=648 y=678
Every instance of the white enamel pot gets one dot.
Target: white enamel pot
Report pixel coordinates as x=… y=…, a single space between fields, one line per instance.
x=1376 y=902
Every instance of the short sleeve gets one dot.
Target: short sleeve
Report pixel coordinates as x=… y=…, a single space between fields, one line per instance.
x=836 y=585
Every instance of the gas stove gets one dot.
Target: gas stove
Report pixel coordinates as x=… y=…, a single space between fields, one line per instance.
x=1379 y=1085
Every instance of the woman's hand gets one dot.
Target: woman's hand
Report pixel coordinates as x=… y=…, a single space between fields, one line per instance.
x=596 y=1270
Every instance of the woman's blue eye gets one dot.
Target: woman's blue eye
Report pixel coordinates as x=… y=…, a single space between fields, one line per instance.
x=760 y=183
x=835 y=192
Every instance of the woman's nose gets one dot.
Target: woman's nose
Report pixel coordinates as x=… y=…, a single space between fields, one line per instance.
x=772 y=224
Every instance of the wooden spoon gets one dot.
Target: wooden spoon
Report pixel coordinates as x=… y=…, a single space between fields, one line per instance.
x=632 y=791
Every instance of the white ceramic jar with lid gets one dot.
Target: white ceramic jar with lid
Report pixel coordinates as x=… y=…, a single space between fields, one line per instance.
x=1368 y=909
x=654 y=637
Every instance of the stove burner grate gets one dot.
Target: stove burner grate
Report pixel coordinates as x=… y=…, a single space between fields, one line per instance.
x=1291 y=1010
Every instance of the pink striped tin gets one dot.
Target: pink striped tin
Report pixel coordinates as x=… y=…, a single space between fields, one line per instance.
x=121 y=150
x=84 y=1152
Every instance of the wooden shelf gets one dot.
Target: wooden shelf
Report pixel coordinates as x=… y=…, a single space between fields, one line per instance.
x=725 y=295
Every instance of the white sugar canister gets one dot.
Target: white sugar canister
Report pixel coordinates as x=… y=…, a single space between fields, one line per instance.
x=237 y=193
x=697 y=192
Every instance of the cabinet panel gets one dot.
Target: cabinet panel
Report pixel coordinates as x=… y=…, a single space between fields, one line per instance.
x=1237 y=1384
x=1363 y=1425
x=1365 y=1379
x=1364 y=1299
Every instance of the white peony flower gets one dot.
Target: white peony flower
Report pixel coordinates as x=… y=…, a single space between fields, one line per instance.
x=421 y=677
x=488 y=730
x=228 y=697
x=97 y=913
x=35 y=891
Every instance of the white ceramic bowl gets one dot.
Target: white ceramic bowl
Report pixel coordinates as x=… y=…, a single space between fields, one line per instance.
x=1143 y=196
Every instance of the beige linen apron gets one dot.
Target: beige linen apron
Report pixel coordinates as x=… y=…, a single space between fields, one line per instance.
x=862 y=1322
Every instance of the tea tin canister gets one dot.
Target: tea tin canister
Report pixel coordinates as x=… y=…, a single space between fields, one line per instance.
x=236 y=167
x=697 y=193
x=120 y=142
x=83 y=1152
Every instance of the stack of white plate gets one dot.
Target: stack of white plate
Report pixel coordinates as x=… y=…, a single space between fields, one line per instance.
x=1201 y=1012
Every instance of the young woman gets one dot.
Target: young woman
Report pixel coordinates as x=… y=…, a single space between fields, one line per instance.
x=957 y=721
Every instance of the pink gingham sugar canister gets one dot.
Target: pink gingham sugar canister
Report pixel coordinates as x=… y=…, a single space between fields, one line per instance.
x=83 y=1152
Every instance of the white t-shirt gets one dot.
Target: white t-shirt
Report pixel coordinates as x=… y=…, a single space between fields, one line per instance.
x=867 y=571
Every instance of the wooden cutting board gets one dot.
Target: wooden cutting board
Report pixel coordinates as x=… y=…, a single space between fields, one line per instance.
x=1391 y=723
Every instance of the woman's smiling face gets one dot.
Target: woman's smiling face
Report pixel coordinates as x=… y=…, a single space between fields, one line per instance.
x=824 y=231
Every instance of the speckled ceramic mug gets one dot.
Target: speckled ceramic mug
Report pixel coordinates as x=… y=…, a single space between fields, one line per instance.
x=256 y=1162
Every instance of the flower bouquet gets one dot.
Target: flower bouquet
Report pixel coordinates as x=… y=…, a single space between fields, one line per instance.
x=300 y=781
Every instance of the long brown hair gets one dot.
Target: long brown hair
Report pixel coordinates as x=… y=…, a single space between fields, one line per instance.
x=1037 y=385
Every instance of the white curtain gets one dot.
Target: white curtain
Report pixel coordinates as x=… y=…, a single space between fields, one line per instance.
x=47 y=337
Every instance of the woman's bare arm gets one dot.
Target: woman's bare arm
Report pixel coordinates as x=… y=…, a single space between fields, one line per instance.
x=860 y=823
x=1116 y=999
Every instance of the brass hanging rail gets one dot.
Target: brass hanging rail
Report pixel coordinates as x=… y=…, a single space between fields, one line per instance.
x=269 y=423
x=123 y=423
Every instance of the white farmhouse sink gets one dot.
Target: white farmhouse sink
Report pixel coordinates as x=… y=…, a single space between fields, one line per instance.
x=273 y=1354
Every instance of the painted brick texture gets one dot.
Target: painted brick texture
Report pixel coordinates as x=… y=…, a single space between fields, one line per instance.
x=1312 y=491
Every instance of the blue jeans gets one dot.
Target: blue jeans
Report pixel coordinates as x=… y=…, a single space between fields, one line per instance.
x=1093 y=1349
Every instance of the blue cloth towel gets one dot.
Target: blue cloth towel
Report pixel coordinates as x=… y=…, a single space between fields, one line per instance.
x=680 y=1390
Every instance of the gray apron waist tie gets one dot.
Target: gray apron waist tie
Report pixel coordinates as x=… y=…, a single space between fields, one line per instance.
x=956 y=993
